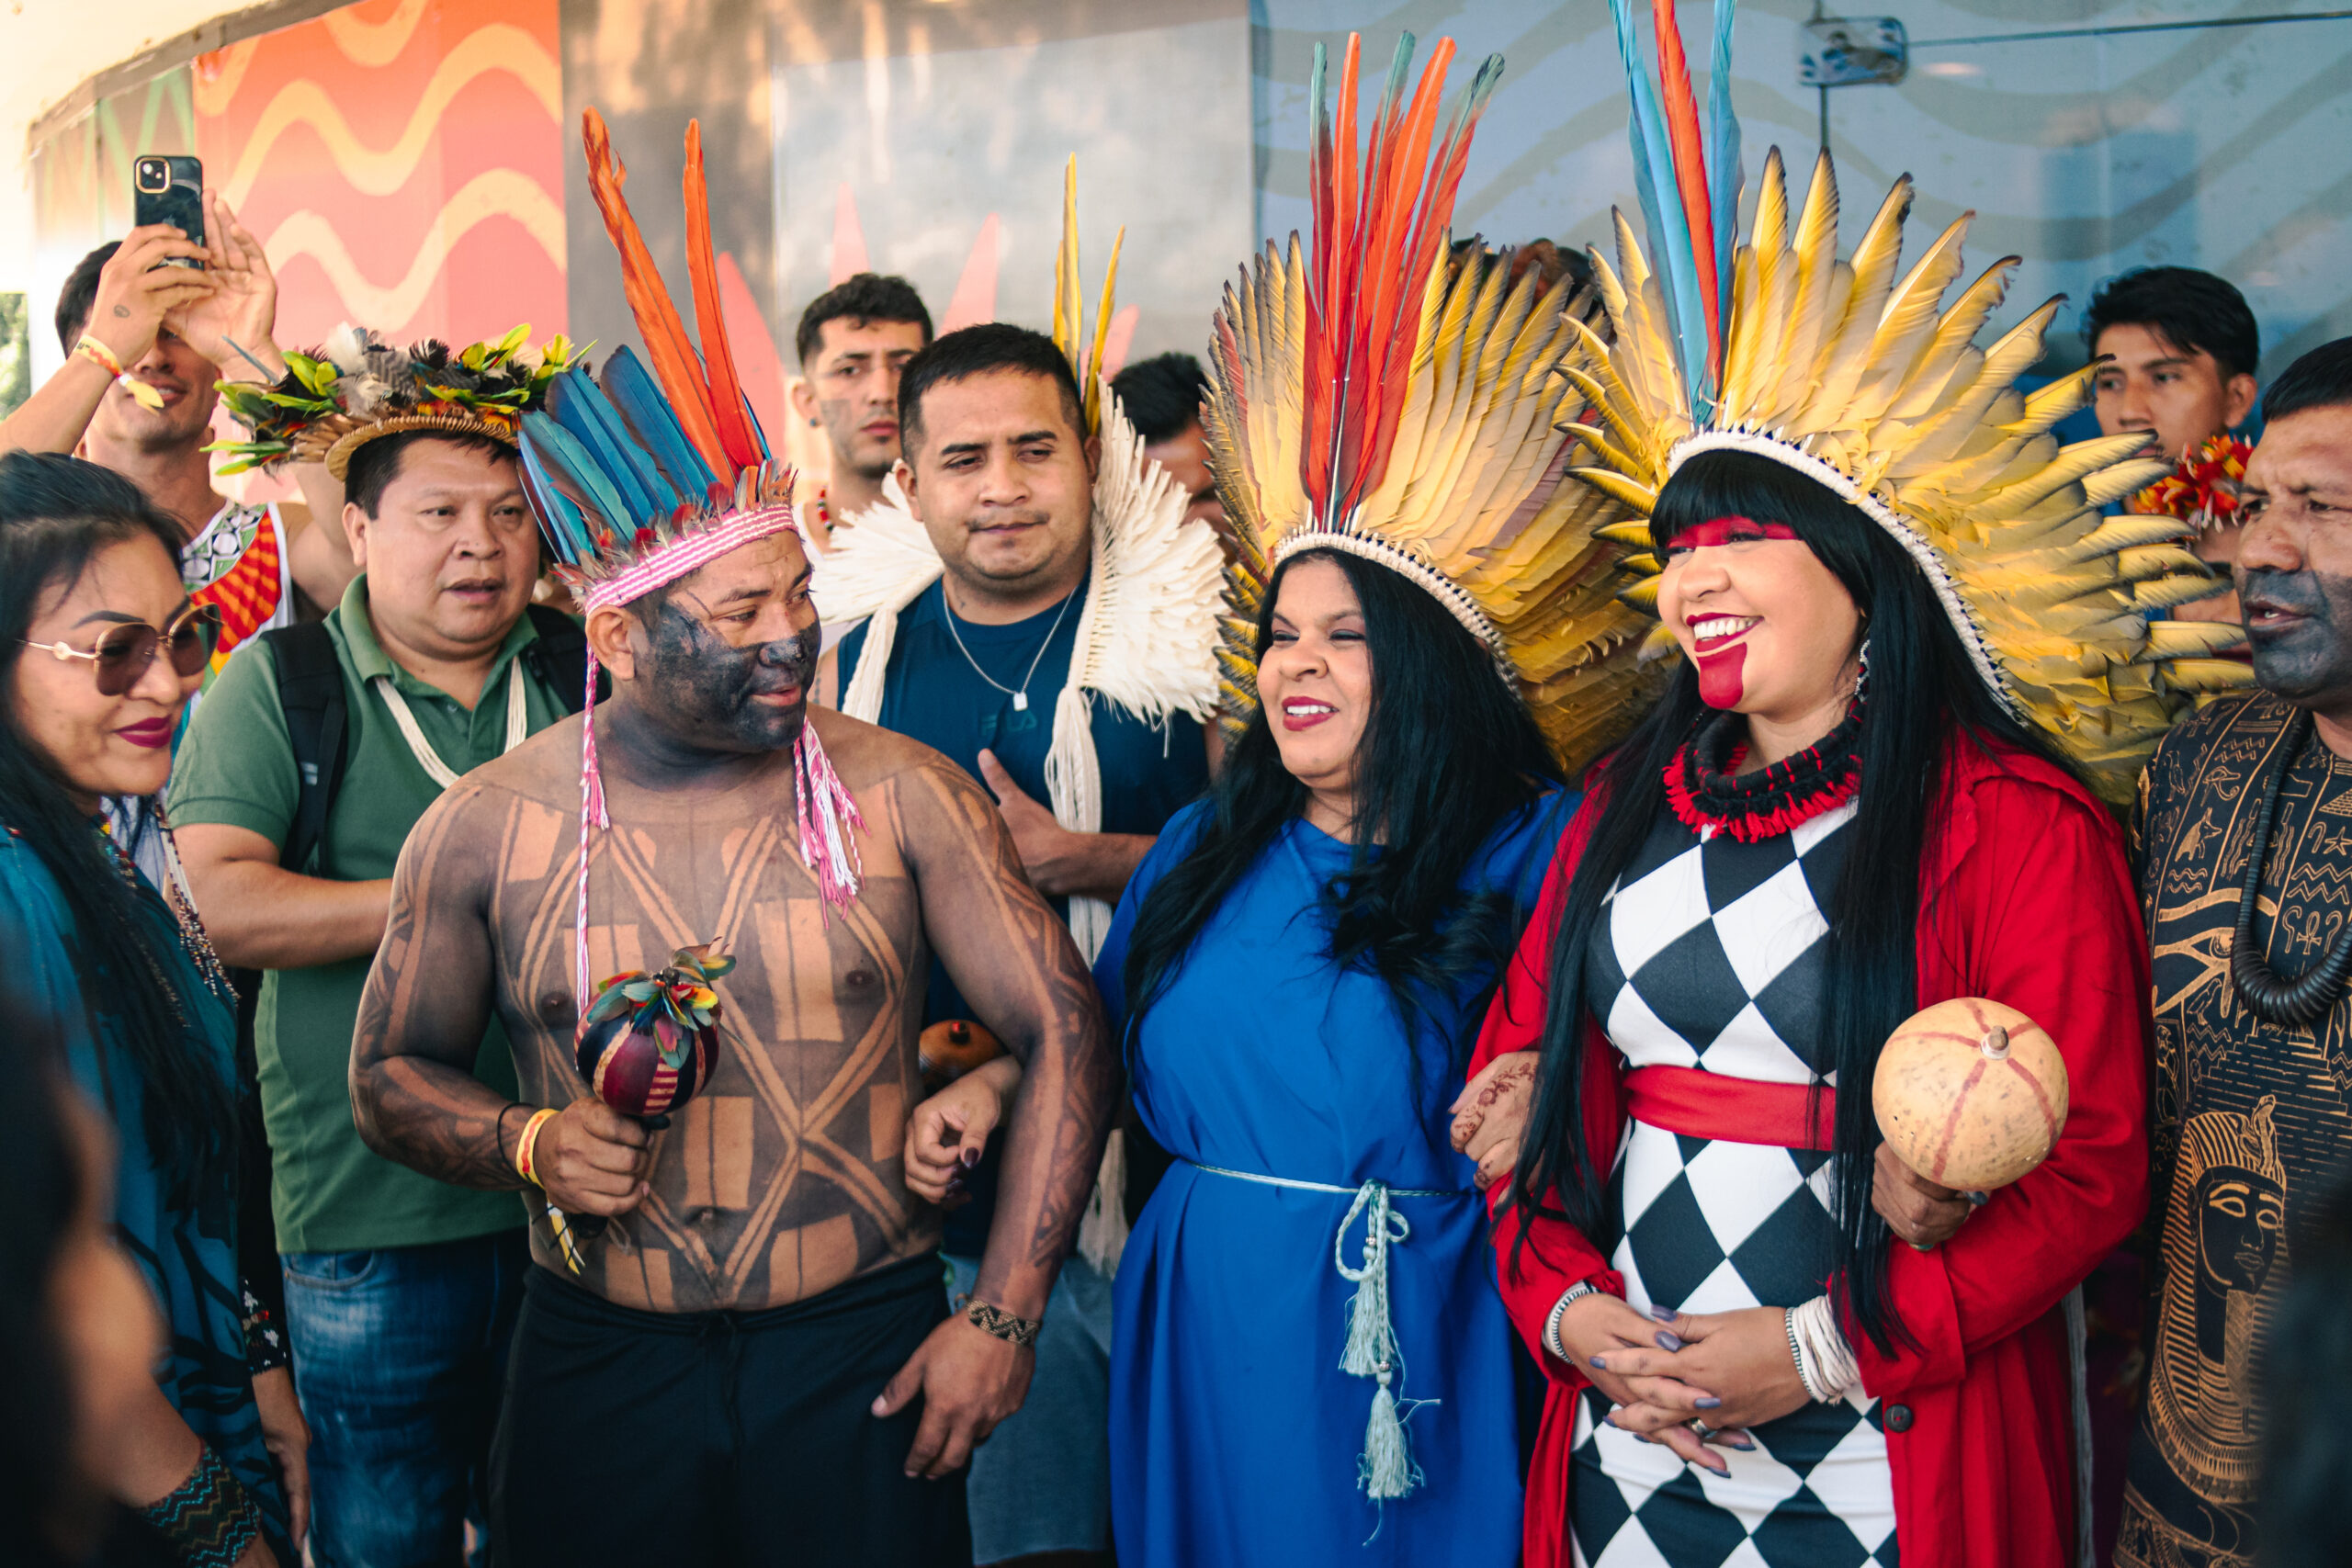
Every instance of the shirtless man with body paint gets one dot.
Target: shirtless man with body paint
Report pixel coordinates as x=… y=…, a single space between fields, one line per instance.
x=733 y=1375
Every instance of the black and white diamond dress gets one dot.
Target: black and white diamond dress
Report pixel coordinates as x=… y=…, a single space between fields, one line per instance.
x=1710 y=956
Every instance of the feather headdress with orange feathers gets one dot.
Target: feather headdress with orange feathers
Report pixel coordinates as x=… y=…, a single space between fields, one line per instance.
x=639 y=479
x=1374 y=394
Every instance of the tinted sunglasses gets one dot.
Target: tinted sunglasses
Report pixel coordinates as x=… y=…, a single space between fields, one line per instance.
x=122 y=653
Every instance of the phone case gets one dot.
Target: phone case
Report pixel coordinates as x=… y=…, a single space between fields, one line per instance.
x=169 y=190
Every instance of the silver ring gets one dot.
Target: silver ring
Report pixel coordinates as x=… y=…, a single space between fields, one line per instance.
x=1701 y=1427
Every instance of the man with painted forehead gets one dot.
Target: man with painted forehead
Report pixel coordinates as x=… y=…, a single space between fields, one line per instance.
x=699 y=913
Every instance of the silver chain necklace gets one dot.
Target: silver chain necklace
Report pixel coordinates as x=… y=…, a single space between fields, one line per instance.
x=1021 y=698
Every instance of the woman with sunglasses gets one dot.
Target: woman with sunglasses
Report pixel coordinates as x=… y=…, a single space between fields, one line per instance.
x=100 y=652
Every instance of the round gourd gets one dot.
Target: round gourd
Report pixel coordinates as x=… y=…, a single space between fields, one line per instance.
x=1971 y=1093
x=949 y=1049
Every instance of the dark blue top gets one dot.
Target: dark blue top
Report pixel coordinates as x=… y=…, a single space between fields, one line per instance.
x=933 y=694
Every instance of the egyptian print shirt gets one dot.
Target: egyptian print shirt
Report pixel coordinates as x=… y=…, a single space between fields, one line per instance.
x=2249 y=1117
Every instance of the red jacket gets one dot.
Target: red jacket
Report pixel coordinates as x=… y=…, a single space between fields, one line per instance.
x=2027 y=899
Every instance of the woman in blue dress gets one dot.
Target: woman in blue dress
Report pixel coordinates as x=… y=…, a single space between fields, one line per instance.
x=99 y=652
x=1297 y=995
x=1307 y=1366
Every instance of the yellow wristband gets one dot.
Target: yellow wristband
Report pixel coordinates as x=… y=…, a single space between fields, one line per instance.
x=102 y=357
x=526 y=1146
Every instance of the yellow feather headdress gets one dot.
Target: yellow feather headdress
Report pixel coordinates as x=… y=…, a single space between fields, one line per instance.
x=1371 y=394
x=1862 y=381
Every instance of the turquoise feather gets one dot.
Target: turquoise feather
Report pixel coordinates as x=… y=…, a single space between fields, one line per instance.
x=1723 y=162
x=639 y=400
x=1670 y=237
x=568 y=532
x=563 y=456
x=576 y=403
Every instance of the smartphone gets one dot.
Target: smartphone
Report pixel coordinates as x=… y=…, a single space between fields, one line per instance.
x=169 y=190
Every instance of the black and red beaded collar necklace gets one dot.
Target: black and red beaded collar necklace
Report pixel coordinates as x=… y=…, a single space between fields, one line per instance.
x=1709 y=796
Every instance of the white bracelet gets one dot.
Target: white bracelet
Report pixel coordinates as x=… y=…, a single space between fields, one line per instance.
x=1826 y=1362
x=1568 y=1297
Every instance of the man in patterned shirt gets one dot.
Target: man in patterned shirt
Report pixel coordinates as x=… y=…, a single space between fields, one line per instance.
x=2254 y=1032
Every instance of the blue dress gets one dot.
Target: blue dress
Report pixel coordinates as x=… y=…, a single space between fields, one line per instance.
x=188 y=1255
x=1235 y=1436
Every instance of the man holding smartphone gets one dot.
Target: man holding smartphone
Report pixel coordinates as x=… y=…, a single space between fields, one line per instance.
x=146 y=342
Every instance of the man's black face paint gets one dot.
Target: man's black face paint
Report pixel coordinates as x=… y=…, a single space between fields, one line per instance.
x=2308 y=658
x=709 y=689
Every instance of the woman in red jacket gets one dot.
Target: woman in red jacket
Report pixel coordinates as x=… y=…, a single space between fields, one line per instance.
x=1831 y=822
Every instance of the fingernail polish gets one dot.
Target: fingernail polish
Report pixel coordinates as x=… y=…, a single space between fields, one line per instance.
x=1744 y=1445
x=1666 y=1341
x=1644 y=1438
x=1708 y=1401
x=1600 y=1364
x=971 y=1157
x=1661 y=1314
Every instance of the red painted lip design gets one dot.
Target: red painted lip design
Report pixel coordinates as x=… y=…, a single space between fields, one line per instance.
x=1306 y=713
x=150 y=733
x=1715 y=633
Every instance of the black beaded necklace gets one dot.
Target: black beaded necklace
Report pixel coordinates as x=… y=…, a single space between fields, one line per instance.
x=2290 y=1004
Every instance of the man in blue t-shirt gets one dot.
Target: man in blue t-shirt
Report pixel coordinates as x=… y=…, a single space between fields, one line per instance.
x=999 y=473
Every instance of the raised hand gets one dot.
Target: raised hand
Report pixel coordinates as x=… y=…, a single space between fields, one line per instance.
x=240 y=313
x=136 y=291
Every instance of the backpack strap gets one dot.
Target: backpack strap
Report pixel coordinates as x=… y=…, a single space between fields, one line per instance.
x=559 y=657
x=311 y=694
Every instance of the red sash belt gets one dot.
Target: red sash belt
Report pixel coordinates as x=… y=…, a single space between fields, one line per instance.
x=1701 y=1104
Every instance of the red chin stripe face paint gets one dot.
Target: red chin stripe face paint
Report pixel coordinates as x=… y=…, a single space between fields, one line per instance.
x=1720 y=684
x=1728 y=531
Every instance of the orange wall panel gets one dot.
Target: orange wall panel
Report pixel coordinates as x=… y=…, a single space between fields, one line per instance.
x=401 y=162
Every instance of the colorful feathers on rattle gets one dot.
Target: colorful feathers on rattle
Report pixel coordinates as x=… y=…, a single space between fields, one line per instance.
x=647 y=1042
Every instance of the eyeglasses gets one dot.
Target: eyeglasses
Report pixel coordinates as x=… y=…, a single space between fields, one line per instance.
x=123 y=653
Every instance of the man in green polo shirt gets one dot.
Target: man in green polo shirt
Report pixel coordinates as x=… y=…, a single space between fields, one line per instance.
x=400 y=1290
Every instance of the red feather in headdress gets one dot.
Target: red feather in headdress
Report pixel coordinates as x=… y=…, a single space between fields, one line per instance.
x=1377 y=228
x=1689 y=166
x=667 y=348
x=727 y=406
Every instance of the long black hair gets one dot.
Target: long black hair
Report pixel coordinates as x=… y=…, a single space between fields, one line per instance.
x=56 y=515
x=42 y=1496
x=1449 y=750
x=1921 y=689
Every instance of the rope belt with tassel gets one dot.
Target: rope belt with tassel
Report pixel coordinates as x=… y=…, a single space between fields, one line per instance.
x=1385 y=1469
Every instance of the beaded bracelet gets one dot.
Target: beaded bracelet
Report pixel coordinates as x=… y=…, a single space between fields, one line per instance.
x=1568 y=1297
x=102 y=357
x=526 y=1146
x=999 y=1323
x=210 y=1518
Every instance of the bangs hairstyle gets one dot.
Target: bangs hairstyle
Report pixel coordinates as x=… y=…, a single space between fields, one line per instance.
x=1449 y=751
x=1921 y=690
x=57 y=514
x=376 y=464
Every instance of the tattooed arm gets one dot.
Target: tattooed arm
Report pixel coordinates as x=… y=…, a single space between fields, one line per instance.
x=1016 y=965
x=1014 y=962
x=414 y=1093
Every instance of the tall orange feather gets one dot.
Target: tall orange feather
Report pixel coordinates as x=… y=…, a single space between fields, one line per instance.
x=667 y=348
x=727 y=407
x=1689 y=166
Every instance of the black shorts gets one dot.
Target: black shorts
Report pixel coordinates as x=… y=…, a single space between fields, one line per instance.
x=674 y=1439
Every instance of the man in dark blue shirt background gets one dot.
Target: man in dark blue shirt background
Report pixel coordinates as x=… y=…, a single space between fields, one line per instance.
x=1001 y=473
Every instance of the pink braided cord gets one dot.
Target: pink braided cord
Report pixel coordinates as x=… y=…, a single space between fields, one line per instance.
x=826 y=810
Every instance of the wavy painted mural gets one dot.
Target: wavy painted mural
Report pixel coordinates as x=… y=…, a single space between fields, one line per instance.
x=402 y=163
